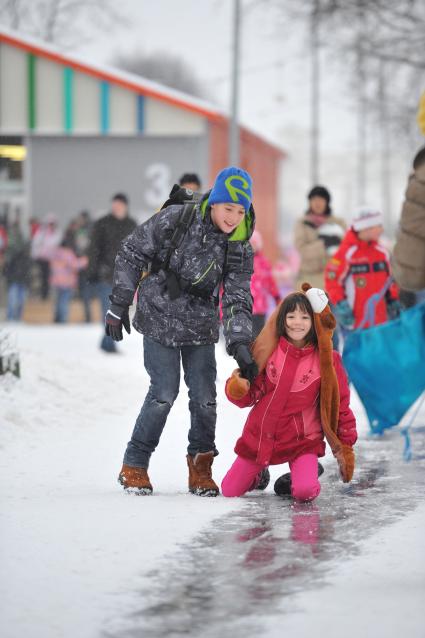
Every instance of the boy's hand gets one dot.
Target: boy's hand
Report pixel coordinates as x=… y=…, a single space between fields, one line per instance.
x=344 y=314
x=115 y=319
x=245 y=361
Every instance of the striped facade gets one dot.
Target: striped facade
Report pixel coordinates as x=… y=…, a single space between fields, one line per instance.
x=90 y=130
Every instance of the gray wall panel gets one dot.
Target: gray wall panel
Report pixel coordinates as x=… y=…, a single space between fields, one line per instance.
x=69 y=174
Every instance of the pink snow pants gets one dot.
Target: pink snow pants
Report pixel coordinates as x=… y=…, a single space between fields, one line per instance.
x=305 y=484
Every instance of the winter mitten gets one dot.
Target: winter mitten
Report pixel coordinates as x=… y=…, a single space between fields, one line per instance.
x=237 y=387
x=344 y=314
x=394 y=308
x=245 y=361
x=115 y=319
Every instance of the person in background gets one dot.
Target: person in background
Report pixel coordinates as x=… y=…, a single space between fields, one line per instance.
x=359 y=269
x=82 y=231
x=17 y=272
x=45 y=239
x=107 y=234
x=263 y=285
x=408 y=259
x=3 y=239
x=190 y=181
x=34 y=225
x=64 y=267
x=317 y=237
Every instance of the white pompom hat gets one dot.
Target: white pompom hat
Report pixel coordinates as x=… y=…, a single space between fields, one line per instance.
x=317 y=298
x=367 y=217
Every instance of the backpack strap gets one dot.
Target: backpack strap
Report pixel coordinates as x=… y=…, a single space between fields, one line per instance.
x=184 y=221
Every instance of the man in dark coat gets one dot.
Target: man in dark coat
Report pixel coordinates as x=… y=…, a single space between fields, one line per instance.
x=107 y=234
x=177 y=312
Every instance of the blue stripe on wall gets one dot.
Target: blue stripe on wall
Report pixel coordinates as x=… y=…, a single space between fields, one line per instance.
x=104 y=106
x=140 y=113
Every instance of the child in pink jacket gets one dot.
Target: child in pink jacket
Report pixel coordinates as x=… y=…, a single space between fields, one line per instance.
x=284 y=425
x=263 y=285
x=64 y=267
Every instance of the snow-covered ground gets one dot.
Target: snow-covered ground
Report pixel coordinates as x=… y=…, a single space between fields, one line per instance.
x=77 y=551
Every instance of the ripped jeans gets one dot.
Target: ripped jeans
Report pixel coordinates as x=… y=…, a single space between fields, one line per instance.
x=162 y=363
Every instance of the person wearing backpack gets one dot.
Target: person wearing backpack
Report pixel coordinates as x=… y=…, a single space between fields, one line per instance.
x=190 y=249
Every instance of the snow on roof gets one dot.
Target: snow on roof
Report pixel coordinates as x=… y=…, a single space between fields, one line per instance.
x=127 y=80
x=124 y=79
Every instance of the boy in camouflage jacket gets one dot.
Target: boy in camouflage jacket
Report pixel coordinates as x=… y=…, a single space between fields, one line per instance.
x=181 y=323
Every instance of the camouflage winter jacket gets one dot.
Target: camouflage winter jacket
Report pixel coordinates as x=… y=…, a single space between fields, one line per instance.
x=200 y=261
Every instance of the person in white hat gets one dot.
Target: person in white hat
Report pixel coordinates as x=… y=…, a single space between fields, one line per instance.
x=359 y=269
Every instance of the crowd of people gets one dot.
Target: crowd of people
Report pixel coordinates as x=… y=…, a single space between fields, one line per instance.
x=50 y=263
x=297 y=387
x=207 y=267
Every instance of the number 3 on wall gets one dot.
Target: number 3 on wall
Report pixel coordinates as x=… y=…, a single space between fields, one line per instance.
x=158 y=177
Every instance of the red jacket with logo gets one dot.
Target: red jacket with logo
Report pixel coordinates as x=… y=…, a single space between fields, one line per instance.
x=285 y=420
x=358 y=270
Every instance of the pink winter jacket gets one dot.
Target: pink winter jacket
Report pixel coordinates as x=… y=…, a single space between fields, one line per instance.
x=64 y=266
x=285 y=420
x=263 y=284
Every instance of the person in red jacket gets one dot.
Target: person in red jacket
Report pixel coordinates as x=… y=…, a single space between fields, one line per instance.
x=359 y=269
x=284 y=424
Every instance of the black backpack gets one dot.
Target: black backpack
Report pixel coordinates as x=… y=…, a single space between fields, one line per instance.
x=178 y=196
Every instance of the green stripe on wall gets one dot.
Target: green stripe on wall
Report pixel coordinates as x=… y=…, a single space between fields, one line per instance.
x=104 y=106
x=68 y=94
x=31 y=91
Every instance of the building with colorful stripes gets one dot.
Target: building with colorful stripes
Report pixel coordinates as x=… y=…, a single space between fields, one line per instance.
x=73 y=133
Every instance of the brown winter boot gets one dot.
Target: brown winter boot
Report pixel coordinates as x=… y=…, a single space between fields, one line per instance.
x=135 y=479
x=200 y=475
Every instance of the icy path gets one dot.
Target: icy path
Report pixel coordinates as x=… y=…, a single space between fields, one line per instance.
x=80 y=558
x=277 y=568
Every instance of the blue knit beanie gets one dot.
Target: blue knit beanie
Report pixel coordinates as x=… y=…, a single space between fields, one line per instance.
x=232 y=185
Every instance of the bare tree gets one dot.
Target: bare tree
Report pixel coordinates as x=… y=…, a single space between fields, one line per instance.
x=64 y=22
x=377 y=47
x=165 y=68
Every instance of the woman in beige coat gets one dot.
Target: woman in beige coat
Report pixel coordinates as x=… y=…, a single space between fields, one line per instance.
x=317 y=237
x=408 y=259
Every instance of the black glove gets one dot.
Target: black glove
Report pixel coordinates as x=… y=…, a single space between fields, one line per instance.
x=245 y=361
x=115 y=319
x=394 y=308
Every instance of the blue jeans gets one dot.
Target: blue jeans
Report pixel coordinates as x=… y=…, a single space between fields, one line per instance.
x=102 y=290
x=63 y=298
x=162 y=363
x=16 y=294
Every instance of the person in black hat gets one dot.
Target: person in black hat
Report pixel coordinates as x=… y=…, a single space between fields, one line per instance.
x=107 y=235
x=317 y=237
x=190 y=181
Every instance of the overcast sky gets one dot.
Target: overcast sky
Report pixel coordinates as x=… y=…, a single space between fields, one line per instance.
x=274 y=87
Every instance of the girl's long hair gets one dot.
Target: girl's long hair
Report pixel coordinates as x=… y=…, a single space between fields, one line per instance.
x=289 y=304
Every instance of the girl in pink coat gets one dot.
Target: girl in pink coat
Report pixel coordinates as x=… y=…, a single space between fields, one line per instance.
x=284 y=425
x=263 y=285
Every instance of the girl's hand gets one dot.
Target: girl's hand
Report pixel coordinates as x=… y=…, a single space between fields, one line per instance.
x=237 y=387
